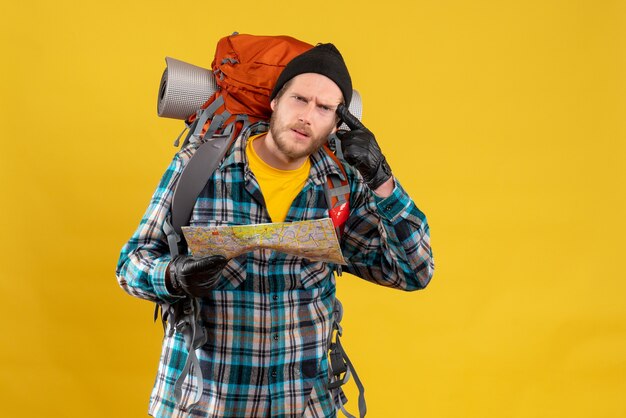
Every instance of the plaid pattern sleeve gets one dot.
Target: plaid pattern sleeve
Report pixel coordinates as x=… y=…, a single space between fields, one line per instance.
x=387 y=241
x=144 y=259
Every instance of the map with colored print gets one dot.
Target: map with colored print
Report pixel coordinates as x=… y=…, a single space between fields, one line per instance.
x=315 y=240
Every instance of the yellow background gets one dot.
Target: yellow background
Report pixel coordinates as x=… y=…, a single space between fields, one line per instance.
x=504 y=120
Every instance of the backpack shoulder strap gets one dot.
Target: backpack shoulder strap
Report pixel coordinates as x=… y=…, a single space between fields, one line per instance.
x=184 y=315
x=196 y=173
x=337 y=192
x=192 y=180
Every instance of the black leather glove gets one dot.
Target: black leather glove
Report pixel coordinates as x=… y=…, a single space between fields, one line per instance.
x=361 y=150
x=195 y=276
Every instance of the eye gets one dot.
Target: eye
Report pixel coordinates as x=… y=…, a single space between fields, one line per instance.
x=300 y=98
x=326 y=109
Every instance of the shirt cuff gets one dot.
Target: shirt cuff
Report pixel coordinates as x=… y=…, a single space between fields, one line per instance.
x=394 y=206
x=158 y=280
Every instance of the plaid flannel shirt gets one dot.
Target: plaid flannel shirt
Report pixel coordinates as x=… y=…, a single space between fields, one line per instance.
x=269 y=319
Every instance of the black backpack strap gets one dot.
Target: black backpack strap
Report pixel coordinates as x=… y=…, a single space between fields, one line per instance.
x=340 y=367
x=189 y=325
x=350 y=372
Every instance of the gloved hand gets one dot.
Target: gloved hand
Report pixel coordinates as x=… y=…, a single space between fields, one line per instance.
x=361 y=150
x=195 y=276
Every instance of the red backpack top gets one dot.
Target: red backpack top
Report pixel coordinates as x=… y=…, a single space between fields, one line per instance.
x=246 y=68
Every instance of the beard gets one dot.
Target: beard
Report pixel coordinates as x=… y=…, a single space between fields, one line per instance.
x=282 y=133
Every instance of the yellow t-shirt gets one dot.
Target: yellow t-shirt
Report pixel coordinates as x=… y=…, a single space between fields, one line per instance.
x=279 y=187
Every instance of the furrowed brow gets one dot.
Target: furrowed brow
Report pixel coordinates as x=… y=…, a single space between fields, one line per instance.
x=328 y=105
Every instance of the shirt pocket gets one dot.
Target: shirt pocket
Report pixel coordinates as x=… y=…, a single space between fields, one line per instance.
x=234 y=273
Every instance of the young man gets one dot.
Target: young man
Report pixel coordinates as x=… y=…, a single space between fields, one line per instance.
x=268 y=315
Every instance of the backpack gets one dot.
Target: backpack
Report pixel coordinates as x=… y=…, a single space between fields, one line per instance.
x=235 y=101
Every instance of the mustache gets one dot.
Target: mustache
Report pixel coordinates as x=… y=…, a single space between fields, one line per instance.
x=302 y=128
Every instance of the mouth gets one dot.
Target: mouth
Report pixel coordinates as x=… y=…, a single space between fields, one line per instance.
x=300 y=133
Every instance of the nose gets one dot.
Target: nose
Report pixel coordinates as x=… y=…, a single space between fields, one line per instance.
x=306 y=112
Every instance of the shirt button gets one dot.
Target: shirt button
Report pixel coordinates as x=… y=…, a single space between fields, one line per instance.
x=275 y=337
x=274 y=374
x=275 y=297
x=388 y=207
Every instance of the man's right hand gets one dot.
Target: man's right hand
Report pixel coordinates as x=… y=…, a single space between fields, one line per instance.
x=194 y=276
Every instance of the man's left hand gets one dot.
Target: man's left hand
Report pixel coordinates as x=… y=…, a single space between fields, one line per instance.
x=361 y=150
